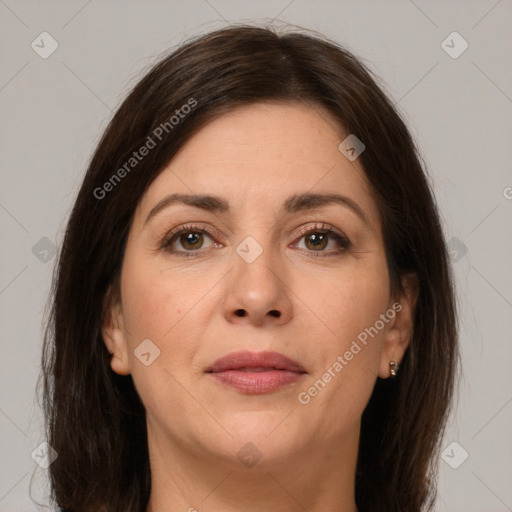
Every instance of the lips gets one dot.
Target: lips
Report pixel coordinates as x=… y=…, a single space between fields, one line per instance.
x=256 y=372
x=255 y=361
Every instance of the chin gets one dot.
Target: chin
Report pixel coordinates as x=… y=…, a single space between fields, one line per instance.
x=269 y=436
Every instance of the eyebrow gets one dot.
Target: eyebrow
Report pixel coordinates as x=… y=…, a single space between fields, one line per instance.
x=295 y=203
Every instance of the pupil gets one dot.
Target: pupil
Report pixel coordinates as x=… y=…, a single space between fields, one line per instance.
x=191 y=238
x=317 y=239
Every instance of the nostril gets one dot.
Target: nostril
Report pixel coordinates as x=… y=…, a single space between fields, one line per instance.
x=273 y=312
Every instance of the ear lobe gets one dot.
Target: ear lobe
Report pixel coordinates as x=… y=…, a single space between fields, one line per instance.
x=400 y=329
x=114 y=335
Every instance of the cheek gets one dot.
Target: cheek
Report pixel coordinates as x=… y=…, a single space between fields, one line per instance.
x=158 y=301
x=167 y=307
x=151 y=308
x=347 y=359
x=351 y=299
x=156 y=308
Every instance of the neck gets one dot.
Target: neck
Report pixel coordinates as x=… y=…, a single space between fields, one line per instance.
x=319 y=478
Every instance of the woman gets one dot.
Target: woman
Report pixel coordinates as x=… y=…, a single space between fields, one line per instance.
x=253 y=307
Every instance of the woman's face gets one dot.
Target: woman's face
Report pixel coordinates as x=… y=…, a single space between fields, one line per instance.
x=201 y=311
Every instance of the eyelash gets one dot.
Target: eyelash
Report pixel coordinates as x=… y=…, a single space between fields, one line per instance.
x=324 y=229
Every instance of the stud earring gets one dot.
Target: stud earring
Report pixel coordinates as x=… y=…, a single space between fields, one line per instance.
x=393 y=368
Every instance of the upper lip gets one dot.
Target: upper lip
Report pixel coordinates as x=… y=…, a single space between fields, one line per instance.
x=247 y=360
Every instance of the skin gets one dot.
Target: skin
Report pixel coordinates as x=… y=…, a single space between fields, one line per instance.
x=256 y=157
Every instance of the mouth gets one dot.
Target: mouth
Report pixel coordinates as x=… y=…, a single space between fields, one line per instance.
x=256 y=372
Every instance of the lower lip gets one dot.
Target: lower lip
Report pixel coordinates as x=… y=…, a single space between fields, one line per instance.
x=256 y=383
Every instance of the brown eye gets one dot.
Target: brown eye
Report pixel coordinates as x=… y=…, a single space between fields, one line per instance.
x=188 y=240
x=191 y=240
x=318 y=241
x=318 y=238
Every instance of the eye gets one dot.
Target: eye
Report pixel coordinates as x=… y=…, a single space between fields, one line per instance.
x=318 y=237
x=188 y=240
x=191 y=238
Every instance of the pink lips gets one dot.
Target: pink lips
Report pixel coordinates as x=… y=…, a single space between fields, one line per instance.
x=256 y=372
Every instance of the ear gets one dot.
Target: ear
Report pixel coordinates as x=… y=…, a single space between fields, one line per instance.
x=400 y=328
x=114 y=334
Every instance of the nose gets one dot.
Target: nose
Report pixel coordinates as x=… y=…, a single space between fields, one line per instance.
x=258 y=292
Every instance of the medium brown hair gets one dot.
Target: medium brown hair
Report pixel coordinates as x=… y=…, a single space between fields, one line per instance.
x=95 y=419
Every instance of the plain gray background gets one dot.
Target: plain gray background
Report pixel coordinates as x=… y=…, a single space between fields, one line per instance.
x=54 y=110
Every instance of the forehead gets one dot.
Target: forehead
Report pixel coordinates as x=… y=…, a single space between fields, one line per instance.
x=259 y=155
x=270 y=130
